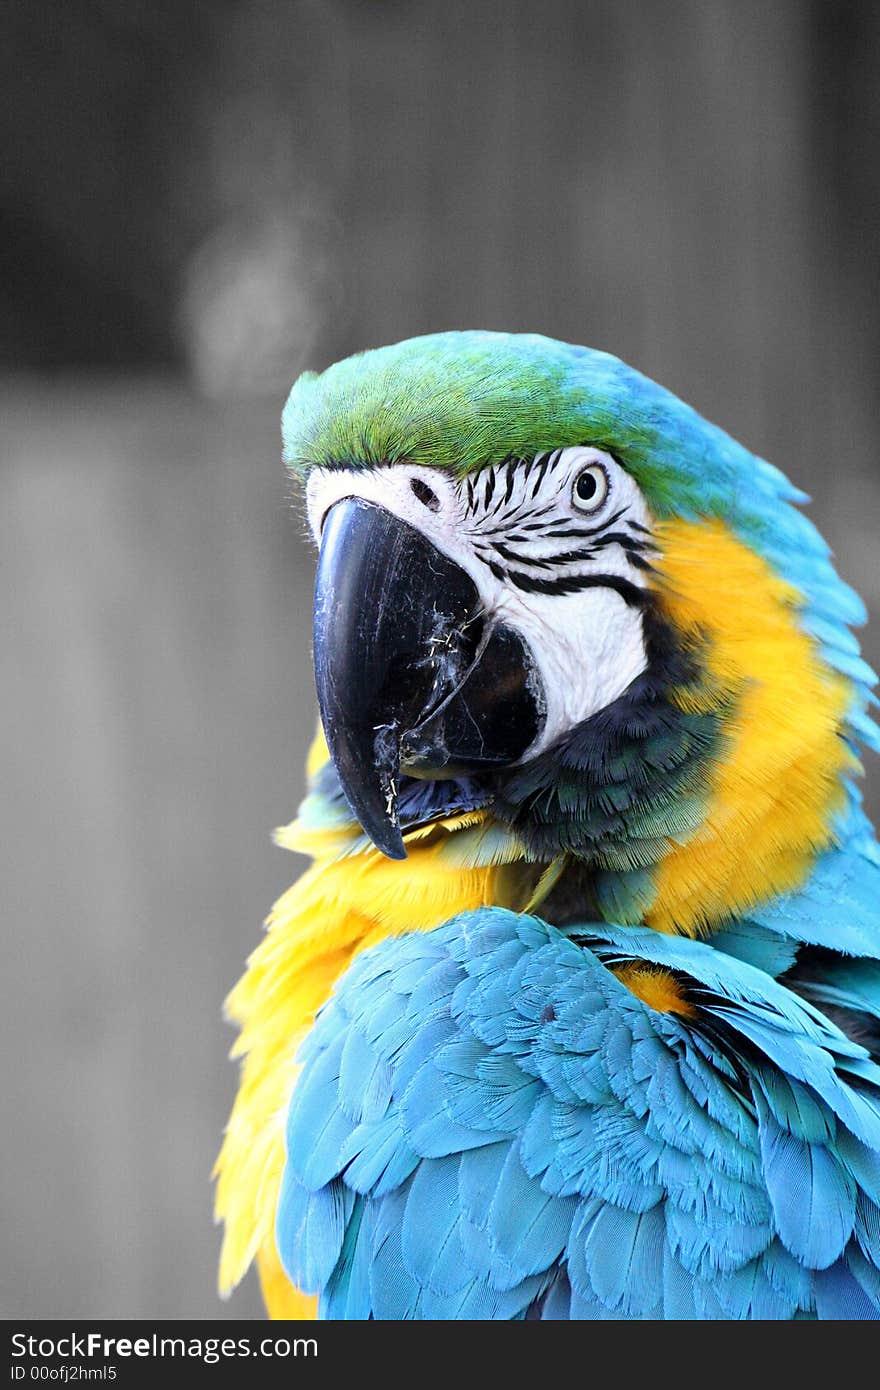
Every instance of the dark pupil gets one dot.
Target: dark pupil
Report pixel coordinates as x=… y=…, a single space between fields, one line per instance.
x=586 y=487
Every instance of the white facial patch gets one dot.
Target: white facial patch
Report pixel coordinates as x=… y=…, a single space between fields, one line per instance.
x=558 y=548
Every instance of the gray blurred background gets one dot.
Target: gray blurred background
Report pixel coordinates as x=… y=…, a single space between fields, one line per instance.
x=198 y=200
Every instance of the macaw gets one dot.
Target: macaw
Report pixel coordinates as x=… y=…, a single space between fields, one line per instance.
x=577 y=1012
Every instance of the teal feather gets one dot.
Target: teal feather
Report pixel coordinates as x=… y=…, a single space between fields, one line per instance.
x=849 y=984
x=760 y=946
x=348 y=1288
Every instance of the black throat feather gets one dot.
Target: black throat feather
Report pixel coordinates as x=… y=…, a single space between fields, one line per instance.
x=613 y=792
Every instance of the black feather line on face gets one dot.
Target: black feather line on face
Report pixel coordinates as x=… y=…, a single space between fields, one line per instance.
x=639 y=562
x=511 y=478
x=641 y=531
x=531 y=561
x=542 y=469
x=551 y=562
x=616 y=538
x=631 y=594
x=502 y=529
x=584 y=533
x=501 y=511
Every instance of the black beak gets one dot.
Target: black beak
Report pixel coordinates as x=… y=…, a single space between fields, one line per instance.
x=412 y=677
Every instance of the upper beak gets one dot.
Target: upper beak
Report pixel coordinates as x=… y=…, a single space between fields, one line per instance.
x=411 y=674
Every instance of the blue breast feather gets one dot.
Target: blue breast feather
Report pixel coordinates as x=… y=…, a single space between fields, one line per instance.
x=489 y=1124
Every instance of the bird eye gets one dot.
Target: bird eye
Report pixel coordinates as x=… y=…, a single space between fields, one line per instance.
x=590 y=488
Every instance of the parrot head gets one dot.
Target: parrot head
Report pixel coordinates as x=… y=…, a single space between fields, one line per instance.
x=547 y=585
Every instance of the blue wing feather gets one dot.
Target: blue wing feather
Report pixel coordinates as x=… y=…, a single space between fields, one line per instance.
x=430 y=1241
x=489 y=1124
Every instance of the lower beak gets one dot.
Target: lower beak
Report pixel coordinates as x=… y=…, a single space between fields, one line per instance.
x=411 y=675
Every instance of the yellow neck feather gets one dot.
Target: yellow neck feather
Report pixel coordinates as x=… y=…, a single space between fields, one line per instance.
x=777 y=782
